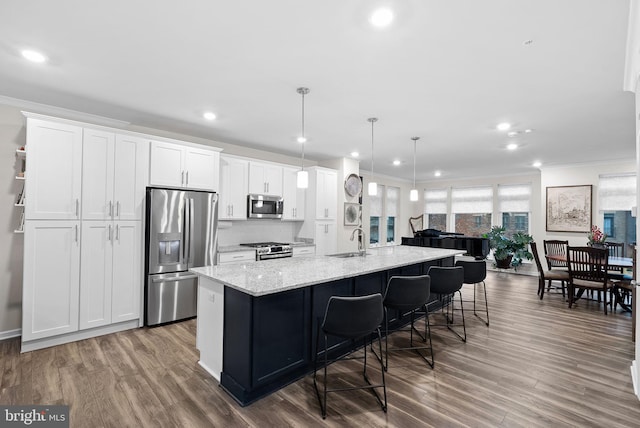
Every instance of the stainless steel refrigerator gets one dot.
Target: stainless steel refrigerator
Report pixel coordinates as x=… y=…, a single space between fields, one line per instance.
x=181 y=233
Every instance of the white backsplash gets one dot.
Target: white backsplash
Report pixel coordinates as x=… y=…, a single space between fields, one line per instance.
x=240 y=232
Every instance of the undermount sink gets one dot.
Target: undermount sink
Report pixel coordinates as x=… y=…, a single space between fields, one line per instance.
x=347 y=255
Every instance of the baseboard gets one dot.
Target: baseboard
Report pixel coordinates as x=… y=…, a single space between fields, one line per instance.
x=77 y=335
x=215 y=375
x=10 y=334
x=634 y=378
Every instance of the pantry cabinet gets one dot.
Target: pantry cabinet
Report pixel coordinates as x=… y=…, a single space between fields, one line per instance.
x=113 y=178
x=54 y=172
x=176 y=165
x=51 y=284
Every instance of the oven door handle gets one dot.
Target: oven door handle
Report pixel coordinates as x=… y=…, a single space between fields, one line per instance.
x=274 y=256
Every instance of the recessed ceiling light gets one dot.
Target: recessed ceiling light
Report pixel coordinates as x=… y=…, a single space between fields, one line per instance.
x=302 y=140
x=528 y=131
x=396 y=162
x=437 y=173
x=381 y=17
x=513 y=133
x=512 y=146
x=503 y=126
x=355 y=154
x=528 y=42
x=537 y=164
x=33 y=56
x=209 y=115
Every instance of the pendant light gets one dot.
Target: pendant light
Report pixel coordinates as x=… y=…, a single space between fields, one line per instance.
x=373 y=187
x=302 y=177
x=413 y=194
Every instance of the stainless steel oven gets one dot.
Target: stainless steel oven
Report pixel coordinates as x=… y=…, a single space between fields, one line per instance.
x=264 y=206
x=270 y=250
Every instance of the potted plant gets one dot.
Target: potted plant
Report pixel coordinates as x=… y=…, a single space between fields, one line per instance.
x=507 y=251
x=596 y=238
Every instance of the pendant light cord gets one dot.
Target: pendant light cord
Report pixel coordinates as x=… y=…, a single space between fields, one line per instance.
x=303 y=137
x=414 y=162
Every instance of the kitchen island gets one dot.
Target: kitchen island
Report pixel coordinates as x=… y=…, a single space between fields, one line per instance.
x=258 y=321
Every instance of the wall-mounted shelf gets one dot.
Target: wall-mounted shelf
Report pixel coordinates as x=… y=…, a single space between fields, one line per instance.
x=18 y=231
x=18 y=205
x=21 y=153
x=19 y=178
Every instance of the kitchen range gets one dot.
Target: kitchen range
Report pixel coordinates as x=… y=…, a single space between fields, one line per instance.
x=270 y=250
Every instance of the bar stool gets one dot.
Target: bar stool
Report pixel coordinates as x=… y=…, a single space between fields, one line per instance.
x=446 y=281
x=475 y=272
x=350 y=318
x=407 y=294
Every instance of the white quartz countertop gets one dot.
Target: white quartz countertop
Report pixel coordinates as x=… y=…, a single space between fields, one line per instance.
x=274 y=276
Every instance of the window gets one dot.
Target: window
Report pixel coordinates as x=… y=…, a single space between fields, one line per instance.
x=514 y=202
x=616 y=197
x=472 y=208
x=374 y=215
x=391 y=212
x=435 y=209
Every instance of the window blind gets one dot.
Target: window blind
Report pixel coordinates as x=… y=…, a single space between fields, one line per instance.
x=393 y=194
x=375 y=209
x=514 y=198
x=472 y=200
x=617 y=192
x=435 y=201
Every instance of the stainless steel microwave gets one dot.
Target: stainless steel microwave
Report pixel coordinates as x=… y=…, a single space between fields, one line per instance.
x=264 y=206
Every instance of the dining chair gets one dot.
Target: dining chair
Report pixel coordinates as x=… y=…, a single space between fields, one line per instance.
x=475 y=272
x=548 y=275
x=555 y=247
x=616 y=249
x=588 y=271
x=446 y=282
x=350 y=318
x=408 y=294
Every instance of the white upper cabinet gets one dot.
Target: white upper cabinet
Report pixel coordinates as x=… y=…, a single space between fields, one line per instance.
x=54 y=171
x=233 y=188
x=113 y=176
x=293 y=198
x=265 y=179
x=326 y=193
x=175 y=165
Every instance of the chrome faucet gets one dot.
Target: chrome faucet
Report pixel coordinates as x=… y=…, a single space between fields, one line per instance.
x=361 y=239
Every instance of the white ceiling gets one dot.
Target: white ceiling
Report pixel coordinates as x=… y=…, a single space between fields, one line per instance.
x=447 y=71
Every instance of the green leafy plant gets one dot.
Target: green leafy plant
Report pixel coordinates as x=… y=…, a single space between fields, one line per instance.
x=503 y=246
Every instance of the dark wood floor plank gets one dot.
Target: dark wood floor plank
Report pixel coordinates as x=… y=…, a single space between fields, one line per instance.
x=539 y=364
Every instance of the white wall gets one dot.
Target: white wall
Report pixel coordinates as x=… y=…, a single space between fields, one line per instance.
x=576 y=175
x=12 y=136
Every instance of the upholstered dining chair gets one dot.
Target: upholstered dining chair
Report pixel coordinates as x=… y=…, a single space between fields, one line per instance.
x=588 y=271
x=548 y=275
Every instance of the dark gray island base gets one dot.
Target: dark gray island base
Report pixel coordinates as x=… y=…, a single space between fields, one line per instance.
x=269 y=340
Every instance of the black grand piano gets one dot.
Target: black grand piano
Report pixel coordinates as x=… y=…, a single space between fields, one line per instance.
x=475 y=247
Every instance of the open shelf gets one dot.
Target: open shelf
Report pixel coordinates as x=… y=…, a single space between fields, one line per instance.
x=18 y=205
x=19 y=178
x=18 y=231
x=21 y=153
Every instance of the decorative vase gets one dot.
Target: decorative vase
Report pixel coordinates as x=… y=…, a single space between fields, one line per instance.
x=597 y=245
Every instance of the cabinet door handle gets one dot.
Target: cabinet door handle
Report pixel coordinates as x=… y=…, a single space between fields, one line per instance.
x=118 y=209
x=77 y=207
x=182 y=178
x=110 y=208
x=109 y=234
x=232 y=210
x=187 y=181
x=118 y=232
x=267 y=187
x=76 y=227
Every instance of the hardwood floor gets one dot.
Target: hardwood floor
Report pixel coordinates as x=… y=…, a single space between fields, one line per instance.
x=538 y=364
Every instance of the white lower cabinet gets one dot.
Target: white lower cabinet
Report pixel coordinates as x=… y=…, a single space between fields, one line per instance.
x=109 y=273
x=326 y=238
x=51 y=278
x=304 y=251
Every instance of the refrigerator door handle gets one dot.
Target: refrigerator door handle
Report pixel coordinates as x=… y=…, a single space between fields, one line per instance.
x=191 y=227
x=185 y=226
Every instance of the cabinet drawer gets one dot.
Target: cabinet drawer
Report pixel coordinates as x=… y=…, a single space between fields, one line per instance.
x=304 y=251
x=236 y=256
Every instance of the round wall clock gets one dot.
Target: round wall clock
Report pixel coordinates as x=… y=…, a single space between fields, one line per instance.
x=353 y=185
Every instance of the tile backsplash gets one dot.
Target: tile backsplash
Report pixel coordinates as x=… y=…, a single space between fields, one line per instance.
x=240 y=232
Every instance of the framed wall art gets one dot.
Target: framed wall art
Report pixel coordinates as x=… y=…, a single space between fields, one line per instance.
x=569 y=209
x=351 y=214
